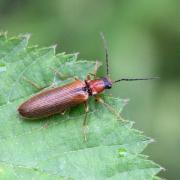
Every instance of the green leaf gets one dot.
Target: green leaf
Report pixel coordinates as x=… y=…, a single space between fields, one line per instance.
x=53 y=148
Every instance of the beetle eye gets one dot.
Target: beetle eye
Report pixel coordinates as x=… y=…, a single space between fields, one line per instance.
x=108 y=86
x=107 y=83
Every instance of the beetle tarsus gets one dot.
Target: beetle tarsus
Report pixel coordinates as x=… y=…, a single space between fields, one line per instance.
x=56 y=72
x=110 y=108
x=85 y=126
x=32 y=83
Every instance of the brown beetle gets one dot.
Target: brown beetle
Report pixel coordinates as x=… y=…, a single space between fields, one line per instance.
x=57 y=100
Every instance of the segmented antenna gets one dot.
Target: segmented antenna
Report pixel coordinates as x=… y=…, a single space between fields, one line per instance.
x=106 y=52
x=135 y=79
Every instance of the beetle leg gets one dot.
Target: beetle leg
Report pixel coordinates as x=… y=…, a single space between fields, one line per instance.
x=46 y=125
x=63 y=112
x=91 y=74
x=96 y=68
x=88 y=77
x=76 y=78
x=110 y=108
x=95 y=71
x=56 y=72
x=63 y=76
x=32 y=83
x=85 y=127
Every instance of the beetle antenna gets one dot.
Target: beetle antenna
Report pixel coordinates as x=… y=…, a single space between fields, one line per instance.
x=106 y=52
x=135 y=79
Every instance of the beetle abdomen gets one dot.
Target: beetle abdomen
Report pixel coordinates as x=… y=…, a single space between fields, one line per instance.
x=54 y=100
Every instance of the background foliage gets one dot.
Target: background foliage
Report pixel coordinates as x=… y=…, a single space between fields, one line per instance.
x=144 y=40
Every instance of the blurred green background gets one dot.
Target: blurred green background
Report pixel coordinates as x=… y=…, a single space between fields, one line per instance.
x=144 y=40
